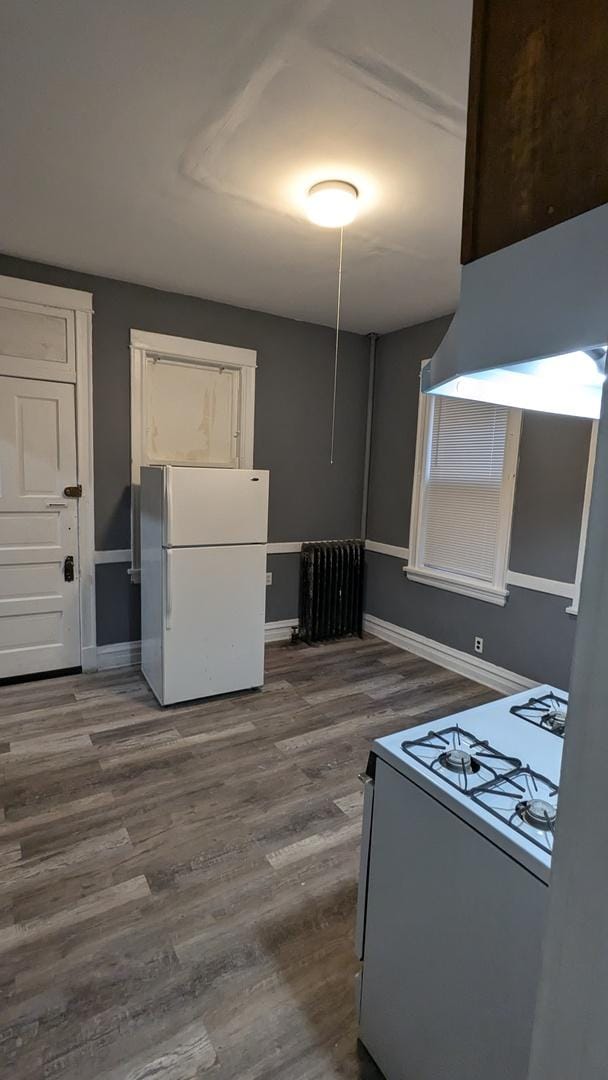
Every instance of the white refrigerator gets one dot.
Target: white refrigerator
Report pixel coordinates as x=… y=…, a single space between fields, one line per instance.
x=203 y=580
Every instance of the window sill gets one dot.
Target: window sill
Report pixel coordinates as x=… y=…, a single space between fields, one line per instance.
x=477 y=590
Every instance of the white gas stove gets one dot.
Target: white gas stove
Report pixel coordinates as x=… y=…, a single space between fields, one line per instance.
x=496 y=765
x=459 y=820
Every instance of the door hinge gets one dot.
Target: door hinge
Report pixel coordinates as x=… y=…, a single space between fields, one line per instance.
x=73 y=491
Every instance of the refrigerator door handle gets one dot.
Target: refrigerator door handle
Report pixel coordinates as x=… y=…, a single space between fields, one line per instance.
x=168 y=594
x=168 y=504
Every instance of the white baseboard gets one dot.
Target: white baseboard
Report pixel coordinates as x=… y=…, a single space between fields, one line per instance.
x=121 y=654
x=88 y=658
x=281 y=630
x=128 y=653
x=472 y=667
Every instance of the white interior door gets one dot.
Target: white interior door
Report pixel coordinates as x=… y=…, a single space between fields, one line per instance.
x=39 y=609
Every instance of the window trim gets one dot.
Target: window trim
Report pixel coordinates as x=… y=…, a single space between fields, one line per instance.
x=145 y=345
x=572 y=609
x=495 y=592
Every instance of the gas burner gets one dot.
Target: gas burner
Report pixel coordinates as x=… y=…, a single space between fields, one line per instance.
x=457 y=756
x=459 y=761
x=526 y=801
x=549 y=712
x=556 y=720
x=537 y=812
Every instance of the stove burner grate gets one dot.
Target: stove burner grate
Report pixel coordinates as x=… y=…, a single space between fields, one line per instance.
x=459 y=758
x=525 y=800
x=548 y=712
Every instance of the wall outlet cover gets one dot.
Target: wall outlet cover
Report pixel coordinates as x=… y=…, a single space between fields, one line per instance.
x=478 y=645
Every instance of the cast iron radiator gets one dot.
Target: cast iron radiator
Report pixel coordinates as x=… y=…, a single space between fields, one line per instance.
x=331 y=590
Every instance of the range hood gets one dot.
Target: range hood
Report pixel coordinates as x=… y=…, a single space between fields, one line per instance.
x=531 y=328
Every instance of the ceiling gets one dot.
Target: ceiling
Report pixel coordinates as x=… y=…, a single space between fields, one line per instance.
x=171 y=142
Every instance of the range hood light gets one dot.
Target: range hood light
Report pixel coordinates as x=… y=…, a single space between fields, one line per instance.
x=570 y=384
x=531 y=325
x=572 y=368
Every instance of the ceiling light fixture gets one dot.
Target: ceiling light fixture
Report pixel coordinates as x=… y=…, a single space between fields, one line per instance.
x=332 y=203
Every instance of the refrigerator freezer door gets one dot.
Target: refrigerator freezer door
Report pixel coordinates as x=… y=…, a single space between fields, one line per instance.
x=213 y=621
x=215 y=506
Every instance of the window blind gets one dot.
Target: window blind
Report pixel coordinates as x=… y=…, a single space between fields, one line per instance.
x=462 y=488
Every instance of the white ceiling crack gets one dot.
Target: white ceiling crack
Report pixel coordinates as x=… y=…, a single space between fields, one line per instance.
x=275 y=42
x=402 y=89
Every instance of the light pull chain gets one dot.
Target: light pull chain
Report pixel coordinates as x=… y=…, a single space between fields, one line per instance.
x=333 y=406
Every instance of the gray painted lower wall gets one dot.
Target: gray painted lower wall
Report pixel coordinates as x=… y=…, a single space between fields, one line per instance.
x=282 y=597
x=117 y=604
x=532 y=635
x=308 y=496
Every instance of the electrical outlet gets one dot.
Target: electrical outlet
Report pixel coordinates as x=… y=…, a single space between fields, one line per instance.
x=479 y=644
x=269 y=577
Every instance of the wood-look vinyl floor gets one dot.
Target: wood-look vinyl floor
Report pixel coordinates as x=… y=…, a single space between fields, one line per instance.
x=177 y=886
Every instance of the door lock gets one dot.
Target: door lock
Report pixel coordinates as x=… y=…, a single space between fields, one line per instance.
x=68 y=568
x=73 y=491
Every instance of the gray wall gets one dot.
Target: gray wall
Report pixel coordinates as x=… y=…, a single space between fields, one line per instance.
x=532 y=634
x=553 y=455
x=309 y=498
x=396 y=390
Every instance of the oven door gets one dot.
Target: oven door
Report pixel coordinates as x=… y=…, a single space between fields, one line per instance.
x=367 y=779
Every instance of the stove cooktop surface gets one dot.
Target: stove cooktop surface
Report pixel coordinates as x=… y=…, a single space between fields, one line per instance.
x=495 y=766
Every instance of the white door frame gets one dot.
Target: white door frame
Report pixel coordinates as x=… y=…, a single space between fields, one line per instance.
x=81 y=304
x=145 y=344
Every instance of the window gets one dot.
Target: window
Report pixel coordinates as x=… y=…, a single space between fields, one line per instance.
x=192 y=403
x=573 y=609
x=466 y=462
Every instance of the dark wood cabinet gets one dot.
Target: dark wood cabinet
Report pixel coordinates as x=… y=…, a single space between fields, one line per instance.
x=537 y=133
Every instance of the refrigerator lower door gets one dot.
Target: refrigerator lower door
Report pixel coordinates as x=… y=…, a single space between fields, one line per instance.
x=213 y=620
